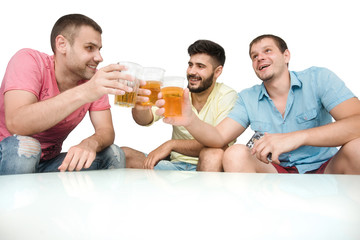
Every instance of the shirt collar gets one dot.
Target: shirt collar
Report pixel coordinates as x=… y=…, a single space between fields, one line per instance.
x=295 y=82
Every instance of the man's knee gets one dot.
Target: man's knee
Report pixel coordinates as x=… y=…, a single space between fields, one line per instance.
x=347 y=159
x=113 y=157
x=19 y=154
x=236 y=154
x=210 y=159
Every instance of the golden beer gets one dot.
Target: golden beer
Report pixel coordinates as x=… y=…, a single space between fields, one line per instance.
x=129 y=98
x=173 y=100
x=126 y=100
x=154 y=87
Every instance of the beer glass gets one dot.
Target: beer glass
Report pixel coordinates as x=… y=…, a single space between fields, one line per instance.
x=153 y=77
x=172 y=91
x=129 y=98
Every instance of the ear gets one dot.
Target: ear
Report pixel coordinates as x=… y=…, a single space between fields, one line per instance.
x=287 y=56
x=218 y=71
x=61 y=43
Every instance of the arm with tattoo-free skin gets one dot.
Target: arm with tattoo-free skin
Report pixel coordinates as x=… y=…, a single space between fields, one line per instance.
x=82 y=155
x=225 y=132
x=25 y=115
x=188 y=147
x=345 y=129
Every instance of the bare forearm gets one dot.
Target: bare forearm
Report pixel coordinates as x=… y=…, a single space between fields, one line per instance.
x=100 y=140
x=40 y=116
x=205 y=133
x=334 y=134
x=142 y=117
x=188 y=147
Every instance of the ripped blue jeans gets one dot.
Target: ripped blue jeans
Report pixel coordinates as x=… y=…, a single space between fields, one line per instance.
x=21 y=154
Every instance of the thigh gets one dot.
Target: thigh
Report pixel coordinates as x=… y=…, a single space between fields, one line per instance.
x=238 y=158
x=19 y=155
x=52 y=164
x=112 y=157
x=346 y=160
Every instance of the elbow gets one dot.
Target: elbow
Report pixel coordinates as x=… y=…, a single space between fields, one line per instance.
x=15 y=128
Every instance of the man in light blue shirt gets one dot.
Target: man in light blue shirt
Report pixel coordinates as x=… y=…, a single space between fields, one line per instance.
x=294 y=111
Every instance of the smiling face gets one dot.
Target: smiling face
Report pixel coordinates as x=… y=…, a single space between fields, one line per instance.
x=267 y=60
x=201 y=74
x=83 y=55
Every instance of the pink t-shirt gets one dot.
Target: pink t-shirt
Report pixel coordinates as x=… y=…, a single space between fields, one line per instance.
x=33 y=71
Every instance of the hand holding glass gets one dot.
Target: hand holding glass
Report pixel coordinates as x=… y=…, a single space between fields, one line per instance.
x=153 y=77
x=172 y=92
x=129 y=98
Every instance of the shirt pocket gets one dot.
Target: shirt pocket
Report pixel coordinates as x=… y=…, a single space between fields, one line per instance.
x=307 y=119
x=260 y=126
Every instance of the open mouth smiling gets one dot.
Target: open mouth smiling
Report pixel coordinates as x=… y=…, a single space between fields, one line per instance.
x=92 y=66
x=262 y=67
x=194 y=78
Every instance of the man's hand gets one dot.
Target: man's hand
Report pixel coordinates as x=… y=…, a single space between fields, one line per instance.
x=187 y=113
x=141 y=97
x=158 y=154
x=276 y=144
x=78 y=157
x=105 y=81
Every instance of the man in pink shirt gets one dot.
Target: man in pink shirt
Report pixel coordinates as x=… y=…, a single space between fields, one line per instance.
x=43 y=98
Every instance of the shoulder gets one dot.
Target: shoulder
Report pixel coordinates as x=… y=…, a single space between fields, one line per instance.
x=251 y=91
x=26 y=54
x=223 y=88
x=31 y=52
x=313 y=72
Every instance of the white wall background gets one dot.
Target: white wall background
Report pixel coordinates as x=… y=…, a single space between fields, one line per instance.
x=158 y=32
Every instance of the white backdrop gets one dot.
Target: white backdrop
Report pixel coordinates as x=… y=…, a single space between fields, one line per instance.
x=157 y=33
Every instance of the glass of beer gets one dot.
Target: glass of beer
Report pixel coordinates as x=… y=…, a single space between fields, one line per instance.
x=172 y=91
x=153 y=77
x=129 y=98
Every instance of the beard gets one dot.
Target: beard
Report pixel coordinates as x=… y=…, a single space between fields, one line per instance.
x=204 y=84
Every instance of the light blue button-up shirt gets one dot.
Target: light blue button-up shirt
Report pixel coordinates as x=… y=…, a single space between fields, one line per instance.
x=313 y=93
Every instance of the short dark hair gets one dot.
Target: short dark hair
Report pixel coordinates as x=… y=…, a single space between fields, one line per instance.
x=280 y=43
x=67 y=26
x=213 y=49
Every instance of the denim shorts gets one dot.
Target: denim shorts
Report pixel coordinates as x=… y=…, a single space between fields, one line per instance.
x=175 y=165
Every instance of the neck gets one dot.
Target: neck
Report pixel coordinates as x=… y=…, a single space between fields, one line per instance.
x=278 y=87
x=199 y=99
x=63 y=77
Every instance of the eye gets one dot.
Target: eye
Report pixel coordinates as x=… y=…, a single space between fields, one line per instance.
x=90 y=48
x=268 y=50
x=254 y=57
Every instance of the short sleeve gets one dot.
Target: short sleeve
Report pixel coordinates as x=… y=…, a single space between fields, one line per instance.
x=100 y=104
x=24 y=73
x=225 y=105
x=331 y=89
x=239 y=113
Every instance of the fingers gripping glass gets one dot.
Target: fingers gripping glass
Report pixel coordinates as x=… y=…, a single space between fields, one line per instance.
x=251 y=142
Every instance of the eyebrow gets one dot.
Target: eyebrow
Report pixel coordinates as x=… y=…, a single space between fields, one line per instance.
x=197 y=63
x=265 y=47
x=93 y=44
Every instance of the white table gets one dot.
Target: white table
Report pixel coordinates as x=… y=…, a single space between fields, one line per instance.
x=146 y=204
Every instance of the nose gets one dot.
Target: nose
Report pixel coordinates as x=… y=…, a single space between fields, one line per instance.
x=98 y=58
x=260 y=57
x=191 y=70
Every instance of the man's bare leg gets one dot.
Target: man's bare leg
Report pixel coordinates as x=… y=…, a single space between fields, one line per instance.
x=237 y=158
x=210 y=160
x=134 y=158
